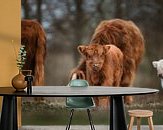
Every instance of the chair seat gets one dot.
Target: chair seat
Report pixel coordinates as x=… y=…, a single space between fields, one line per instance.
x=79 y=102
x=140 y=113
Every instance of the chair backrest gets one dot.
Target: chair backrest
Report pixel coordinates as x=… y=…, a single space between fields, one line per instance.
x=78 y=83
x=79 y=102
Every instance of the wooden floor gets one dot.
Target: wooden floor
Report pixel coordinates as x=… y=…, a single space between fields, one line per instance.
x=82 y=127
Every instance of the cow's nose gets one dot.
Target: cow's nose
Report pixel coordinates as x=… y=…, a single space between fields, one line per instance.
x=95 y=65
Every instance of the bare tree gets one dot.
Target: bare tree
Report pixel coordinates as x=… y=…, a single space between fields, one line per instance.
x=78 y=25
x=39 y=11
x=26 y=7
x=99 y=8
x=118 y=9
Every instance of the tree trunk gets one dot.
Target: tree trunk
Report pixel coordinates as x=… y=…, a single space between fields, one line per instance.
x=78 y=28
x=39 y=11
x=26 y=7
x=118 y=9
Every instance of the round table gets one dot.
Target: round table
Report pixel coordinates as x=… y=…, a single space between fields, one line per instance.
x=117 y=116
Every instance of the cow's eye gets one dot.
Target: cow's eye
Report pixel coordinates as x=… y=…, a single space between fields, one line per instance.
x=88 y=57
x=101 y=56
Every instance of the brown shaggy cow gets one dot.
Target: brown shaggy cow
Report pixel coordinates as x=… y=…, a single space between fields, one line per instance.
x=104 y=65
x=128 y=38
x=34 y=39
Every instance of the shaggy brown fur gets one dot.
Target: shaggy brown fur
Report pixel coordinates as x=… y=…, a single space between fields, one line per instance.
x=104 y=67
x=33 y=37
x=128 y=38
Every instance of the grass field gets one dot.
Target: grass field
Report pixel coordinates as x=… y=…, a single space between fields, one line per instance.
x=49 y=113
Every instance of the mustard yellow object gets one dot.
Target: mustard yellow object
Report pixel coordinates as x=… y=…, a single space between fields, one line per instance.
x=10 y=32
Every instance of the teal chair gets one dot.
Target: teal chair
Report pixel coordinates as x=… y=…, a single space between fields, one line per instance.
x=85 y=103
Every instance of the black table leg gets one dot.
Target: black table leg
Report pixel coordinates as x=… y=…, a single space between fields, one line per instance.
x=9 y=113
x=117 y=114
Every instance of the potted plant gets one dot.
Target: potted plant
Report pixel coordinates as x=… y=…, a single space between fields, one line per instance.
x=21 y=58
x=18 y=81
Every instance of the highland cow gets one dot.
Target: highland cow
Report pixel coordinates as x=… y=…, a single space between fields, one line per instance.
x=104 y=65
x=159 y=67
x=34 y=39
x=128 y=38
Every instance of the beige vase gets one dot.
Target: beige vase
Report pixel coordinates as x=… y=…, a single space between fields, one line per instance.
x=18 y=82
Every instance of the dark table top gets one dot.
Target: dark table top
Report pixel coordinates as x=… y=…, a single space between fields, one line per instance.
x=66 y=91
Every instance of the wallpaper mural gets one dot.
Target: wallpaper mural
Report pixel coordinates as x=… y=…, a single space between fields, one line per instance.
x=66 y=24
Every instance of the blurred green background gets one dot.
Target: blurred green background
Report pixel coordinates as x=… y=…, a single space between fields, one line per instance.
x=69 y=23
